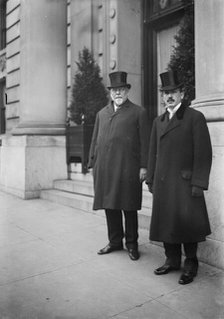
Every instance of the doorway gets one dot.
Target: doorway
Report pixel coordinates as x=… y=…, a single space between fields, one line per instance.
x=161 y=23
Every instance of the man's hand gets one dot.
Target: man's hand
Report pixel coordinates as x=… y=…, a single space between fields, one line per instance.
x=142 y=174
x=197 y=191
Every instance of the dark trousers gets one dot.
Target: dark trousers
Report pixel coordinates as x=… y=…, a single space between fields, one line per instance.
x=173 y=255
x=115 y=227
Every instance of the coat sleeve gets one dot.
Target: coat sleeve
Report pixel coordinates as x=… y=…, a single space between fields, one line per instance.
x=202 y=159
x=92 y=151
x=144 y=137
x=152 y=156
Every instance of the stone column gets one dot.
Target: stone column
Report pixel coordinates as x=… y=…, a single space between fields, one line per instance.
x=34 y=155
x=209 y=49
x=43 y=61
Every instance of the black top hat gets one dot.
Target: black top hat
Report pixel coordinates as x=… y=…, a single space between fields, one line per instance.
x=118 y=79
x=170 y=80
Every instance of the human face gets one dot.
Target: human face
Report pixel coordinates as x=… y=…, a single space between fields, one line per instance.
x=172 y=98
x=119 y=95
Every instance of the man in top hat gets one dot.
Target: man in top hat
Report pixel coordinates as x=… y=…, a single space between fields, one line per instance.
x=118 y=156
x=179 y=163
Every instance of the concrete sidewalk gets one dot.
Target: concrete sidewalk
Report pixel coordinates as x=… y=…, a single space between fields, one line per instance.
x=49 y=269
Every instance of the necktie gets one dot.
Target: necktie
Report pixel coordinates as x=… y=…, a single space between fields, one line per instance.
x=170 y=115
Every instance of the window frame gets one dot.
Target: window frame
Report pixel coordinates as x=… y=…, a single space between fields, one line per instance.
x=2 y=24
x=152 y=23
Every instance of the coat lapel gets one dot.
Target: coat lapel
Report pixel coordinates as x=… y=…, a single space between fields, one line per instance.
x=164 y=121
x=174 y=122
x=124 y=106
x=110 y=108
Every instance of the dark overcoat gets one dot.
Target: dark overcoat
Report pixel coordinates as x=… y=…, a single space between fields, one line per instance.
x=180 y=156
x=118 y=150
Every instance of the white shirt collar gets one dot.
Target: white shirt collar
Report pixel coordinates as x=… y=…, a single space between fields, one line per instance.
x=173 y=111
x=116 y=107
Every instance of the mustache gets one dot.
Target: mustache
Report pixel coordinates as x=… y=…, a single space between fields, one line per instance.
x=170 y=100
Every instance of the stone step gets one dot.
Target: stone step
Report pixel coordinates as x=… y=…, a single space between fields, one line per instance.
x=78 y=201
x=82 y=177
x=75 y=186
x=84 y=186
x=78 y=193
x=84 y=202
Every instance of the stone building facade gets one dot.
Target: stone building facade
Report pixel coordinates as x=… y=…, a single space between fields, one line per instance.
x=39 y=44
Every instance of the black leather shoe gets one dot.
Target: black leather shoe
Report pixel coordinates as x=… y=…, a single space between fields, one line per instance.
x=133 y=253
x=187 y=277
x=165 y=269
x=109 y=249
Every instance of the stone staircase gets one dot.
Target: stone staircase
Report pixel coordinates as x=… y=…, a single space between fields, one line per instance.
x=78 y=193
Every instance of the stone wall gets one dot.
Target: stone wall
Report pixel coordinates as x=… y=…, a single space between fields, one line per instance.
x=13 y=63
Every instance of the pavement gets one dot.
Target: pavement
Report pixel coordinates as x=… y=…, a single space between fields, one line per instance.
x=49 y=269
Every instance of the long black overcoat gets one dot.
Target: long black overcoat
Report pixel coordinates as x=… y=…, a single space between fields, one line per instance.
x=180 y=156
x=118 y=150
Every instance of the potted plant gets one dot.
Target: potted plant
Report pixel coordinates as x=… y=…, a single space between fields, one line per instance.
x=88 y=96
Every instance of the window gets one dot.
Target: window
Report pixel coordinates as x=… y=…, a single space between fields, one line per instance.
x=2 y=24
x=2 y=106
x=161 y=22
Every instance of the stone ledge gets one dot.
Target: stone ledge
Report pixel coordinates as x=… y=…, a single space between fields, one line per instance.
x=33 y=141
x=211 y=107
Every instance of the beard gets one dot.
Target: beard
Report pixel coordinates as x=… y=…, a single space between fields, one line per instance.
x=119 y=100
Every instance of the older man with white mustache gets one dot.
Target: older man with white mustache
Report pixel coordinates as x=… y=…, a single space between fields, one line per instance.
x=118 y=156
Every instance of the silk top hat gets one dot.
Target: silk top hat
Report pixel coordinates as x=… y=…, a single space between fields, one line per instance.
x=118 y=79
x=170 y=81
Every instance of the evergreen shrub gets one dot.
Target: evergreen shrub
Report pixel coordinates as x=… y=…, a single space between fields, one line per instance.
x=183 y=56
x=88 y=93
